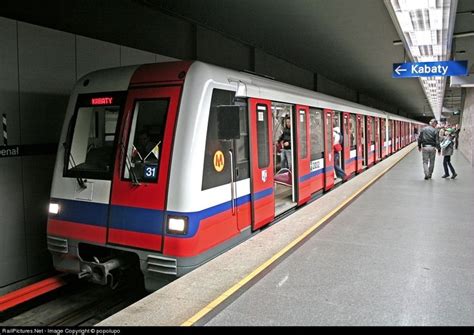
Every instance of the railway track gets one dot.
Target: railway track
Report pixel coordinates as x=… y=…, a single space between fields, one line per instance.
x=77 y=304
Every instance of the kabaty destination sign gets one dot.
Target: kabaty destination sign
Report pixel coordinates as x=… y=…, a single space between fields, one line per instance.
x=430 y=69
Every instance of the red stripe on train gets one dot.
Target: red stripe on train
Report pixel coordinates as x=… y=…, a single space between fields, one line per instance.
x=77 y=231
x=135 y=239
x=212 y=231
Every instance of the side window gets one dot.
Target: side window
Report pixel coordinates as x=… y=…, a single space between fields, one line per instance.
x=316 y=125
x=372 y=130
x=352 y=130
x=303 y=134
x=145 y=140
x=242 y=144
x=262 y=137
x=216 y=171
x=328 y=130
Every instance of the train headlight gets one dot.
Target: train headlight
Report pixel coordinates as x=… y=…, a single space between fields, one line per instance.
x=54 y=208
x=177 y=225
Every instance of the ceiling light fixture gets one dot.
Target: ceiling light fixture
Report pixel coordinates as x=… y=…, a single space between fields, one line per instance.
x=426 y=30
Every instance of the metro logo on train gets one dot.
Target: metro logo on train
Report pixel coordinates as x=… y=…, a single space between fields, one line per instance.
x=219 y=161
x=430 y=69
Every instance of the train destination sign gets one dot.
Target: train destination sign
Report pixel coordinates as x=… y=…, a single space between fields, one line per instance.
x=430 y=69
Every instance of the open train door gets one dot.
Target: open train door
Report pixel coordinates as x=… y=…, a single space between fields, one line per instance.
x=346 y=147
x=261 y=163
x=303 y=188
x=328 y=150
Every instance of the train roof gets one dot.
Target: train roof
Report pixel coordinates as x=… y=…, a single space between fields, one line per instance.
x=265 y=88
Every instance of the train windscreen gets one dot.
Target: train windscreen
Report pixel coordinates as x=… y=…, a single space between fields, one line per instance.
x=91 y=136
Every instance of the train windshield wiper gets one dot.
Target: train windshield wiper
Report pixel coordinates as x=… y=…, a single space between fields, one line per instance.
x=128 y=164
x=80 y=180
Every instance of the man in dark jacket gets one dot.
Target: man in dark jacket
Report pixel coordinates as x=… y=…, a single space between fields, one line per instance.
x=285 y=141
x=428 y=143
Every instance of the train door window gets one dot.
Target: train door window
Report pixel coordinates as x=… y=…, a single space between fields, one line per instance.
x=147 y=129
x=317 y=143
x=242 y=144
x=372 y=131
x=262 y=137
x=303 y=134
x=352 y=131
x=91 y=137
x=216 y=171
x=364 y=143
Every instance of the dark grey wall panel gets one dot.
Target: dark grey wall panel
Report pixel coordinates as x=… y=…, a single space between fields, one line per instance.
x=216 y=49
x=93 y=55
x=330 y=87
x=123 y=22
x=129 y=56
x=13 y=264
x=282 y=70
x=47 y=74
x=375 y=103
x=9 y=79
x=37 y=180
x=161 y=59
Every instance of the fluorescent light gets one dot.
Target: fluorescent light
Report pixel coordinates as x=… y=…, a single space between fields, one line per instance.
x=426 y=29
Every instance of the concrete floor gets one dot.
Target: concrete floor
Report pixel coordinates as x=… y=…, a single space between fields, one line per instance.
x=401 y=254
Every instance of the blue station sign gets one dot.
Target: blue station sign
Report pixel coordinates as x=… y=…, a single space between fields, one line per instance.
x=430 y=69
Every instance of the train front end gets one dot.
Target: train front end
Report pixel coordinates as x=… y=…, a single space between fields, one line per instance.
x=108 y=200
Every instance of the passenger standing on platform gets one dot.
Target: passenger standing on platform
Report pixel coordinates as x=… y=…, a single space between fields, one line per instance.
x=447 y=149
x=428 y=143
x=285 y=141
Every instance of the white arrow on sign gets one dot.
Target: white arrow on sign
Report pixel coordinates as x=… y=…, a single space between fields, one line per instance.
x=398 y=70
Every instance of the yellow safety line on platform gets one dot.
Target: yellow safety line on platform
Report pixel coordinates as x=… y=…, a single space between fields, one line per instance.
x=216 y=302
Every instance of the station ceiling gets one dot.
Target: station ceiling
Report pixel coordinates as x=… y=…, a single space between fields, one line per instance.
x=349 y=42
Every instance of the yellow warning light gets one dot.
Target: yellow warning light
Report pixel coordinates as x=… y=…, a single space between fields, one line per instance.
x=218 y=161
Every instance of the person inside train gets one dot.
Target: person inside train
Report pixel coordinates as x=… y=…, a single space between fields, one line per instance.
x=143 y=147
x=428 y=143
x=285 y=142
x=337 y=147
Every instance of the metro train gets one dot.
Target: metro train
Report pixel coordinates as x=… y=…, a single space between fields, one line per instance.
x=167 y=165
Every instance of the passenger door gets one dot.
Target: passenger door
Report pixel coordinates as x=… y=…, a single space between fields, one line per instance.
x=303 y=154
x=261 y=163
x=369 y=143
x=328 y=150
x=360 y=151
x=377 y=139
x=139 y=185
x=346 y=147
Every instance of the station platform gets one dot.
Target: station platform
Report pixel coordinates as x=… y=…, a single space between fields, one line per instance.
x=386 y=248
